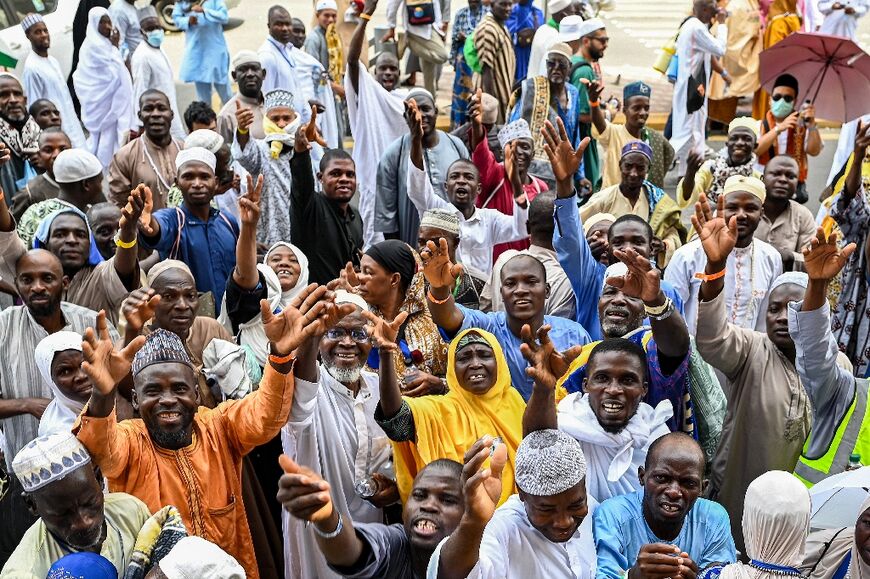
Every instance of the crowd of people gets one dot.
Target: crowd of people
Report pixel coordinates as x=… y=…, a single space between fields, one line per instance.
x=310 y=334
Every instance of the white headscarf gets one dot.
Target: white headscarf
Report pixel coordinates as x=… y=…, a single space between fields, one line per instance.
x=251 y=333
x=102 y=81
x=61 y=412
x=858 y=569
x=776 y=521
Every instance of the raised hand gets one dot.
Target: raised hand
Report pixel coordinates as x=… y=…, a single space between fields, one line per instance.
x=790 y=122
x=332 y=314
x=564 y=158
x=717 y=237
x=823 y=259
x=546 y=364
x=147 y=209
x=483 y=486
x=642 y=280
x=103 y=364
x=598 y=245
x=295 y=323
x=694 y=162
x=244 y=117
x=438 y=270
x=415 y=119
x=249 y=203
x=311 y=133
x=138 y=307
x=862 y=140
x=594 y=88
x=303 y=492
x=383 y=332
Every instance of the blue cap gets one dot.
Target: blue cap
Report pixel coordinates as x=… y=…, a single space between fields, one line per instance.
x=637 y=147
x=638 y=88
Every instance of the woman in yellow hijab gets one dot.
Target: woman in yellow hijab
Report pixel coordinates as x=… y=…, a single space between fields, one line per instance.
x=480 y=401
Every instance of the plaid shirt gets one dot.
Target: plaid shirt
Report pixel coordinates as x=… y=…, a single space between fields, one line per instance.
x=465 y=23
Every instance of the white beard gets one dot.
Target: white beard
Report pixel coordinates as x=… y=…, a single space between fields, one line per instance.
x=344 y=375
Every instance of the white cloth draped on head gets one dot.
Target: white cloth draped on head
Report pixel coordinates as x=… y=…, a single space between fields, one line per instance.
x=858 y=569
x=61 y=412
x=251 y=333
x=776 y=521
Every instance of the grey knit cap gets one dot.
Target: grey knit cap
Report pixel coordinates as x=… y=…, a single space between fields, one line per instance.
x=549 y=462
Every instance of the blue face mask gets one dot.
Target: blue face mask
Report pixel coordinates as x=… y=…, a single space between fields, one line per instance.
x=155 y=38
x=781 y=108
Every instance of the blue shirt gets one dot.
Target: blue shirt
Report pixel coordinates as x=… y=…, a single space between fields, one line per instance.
x=564 y=334
x=585 y=273
x=206 y=55
x=208 y=248
x=620 y=531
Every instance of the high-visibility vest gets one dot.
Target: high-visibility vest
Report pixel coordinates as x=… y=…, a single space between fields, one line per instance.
x=851 y=437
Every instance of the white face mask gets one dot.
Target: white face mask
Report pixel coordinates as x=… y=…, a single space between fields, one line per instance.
x=288 y=137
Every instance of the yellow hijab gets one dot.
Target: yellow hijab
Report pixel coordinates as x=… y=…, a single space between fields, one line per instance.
x=448 y=425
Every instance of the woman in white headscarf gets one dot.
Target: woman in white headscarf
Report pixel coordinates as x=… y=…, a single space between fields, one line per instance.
x=104 y=89
x=776 y=520
x=842 y=553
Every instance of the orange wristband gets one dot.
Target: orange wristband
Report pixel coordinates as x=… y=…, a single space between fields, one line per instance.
x=281 y=359
x=594 y=103
x=711 y=276
x=437 y=301
x=365 y=16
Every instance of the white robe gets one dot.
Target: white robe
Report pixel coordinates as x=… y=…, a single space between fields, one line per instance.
x=376 y=120
x=43 y=79
x=837 y=22
x=695 y=46
x=545 y=37
x=152 y=70
x=845 y=145
x=295 y=70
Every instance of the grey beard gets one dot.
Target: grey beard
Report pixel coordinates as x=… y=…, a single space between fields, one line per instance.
x=344 y=375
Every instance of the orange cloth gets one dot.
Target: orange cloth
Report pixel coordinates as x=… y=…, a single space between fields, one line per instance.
x=782 y=22
x=203 y=480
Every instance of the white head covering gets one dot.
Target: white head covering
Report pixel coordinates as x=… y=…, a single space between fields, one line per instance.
x=165 y=265
x=325 y=5
x=776 y=520
x=198 y=154
x=246 y=57
x=554 y=6
x=196 y=558
x=345 y=297
x=548 y=462
x=570 y=28
x=49 y=458
x=74 y=165
x=441 y=219
x=617 y=269
x=30 y=20
x=61 y=412
x=858 y=569
x=793 y=277
x=590 y=26
x=209 y=140
x=560 y=49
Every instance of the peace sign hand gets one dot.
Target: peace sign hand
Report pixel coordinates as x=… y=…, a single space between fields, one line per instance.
x=384 y=333
x=249 y=203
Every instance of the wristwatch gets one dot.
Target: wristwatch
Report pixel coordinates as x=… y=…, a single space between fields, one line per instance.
x=661 y=312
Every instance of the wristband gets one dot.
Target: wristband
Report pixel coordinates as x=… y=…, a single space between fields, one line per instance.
x=125 y=244
x=331 y=535
x=281 y=359
x=661 y=312
x=710 y=276
x=594 y=104
x=242 y=131
x=365 y=16
x=434 y=300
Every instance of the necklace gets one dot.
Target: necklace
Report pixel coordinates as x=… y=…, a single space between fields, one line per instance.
x=160 y=177
x=783 y=570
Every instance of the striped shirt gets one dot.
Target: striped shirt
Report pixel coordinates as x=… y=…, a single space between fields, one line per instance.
x=495 y=49
x=19 y=375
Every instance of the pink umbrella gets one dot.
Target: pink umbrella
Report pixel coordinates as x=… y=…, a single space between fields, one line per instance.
x=832 y=72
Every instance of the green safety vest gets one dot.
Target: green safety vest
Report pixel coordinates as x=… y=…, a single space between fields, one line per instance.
x=851 y=437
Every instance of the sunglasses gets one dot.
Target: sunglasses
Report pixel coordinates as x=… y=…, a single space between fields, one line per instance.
x=788 y=98
x=358 y=336
x=557 y=64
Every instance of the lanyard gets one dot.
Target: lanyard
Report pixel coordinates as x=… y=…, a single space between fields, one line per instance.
x=154 y=168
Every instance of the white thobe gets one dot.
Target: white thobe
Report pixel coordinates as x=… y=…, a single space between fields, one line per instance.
x=336 y=436
x=545 y=37
x=43 y=79
x=749 y=274
x=152 y=70
x=480 y=232
x=376 y=120
x=125 y=18
x=295 y=70
x=695 y=47
x=812 y=16
x=845 y=145
x=509 y=532
x=837 y=22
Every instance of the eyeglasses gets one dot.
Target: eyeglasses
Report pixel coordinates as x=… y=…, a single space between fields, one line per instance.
x=601 y=39
x=358 y=336
x=788 y=98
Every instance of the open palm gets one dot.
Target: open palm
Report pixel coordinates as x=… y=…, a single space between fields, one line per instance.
x=564 y=158
x=823 y=259
x=546 y=364
x=295 y=323
x=384 y=332
x=483 y=486
x=438 y=270
x=103 y=364
x=642 y=280
x=718 y=238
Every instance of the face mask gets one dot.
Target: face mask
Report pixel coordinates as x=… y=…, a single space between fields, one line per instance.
x=155 y=38
x=781 y=108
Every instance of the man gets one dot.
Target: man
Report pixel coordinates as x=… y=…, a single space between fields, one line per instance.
x=785 y=224
x=294 y=70
x=199 y=115
x=297 y=33
x=738 y=69
x=324 y=224
x=524 y=21
x=325 y=44
x=18 y=132
x=103 y=219
x=42 y=78
x=548 y=35
x=141 y=456
x=125 y=18
x=586 y=69
x=737 y=158
x=45 y=114
x=481 y=228
x=332 y=431
x=749 y=270
x=695 y=49
x=841 y=18
x=546 y=527
x=60 y=485
x=665 y=524
x=614 y=136
x=489 y=111
x=425 y=41
x=150 y=159
x=372 y=550
x=42 y=187
x=524 y=290
x=561 y=301
x=436 y=224
x=249 y=74
x=495 y=52
x=79 y=174
x=202 y=237
x=206 y=56
x=395 y=215
x=151 y=69
x=841 y=422
x=634 y=195
x=785 y=131
x=768 y=416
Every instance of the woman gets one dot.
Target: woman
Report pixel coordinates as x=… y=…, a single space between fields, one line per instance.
x=391 y=282
x=480 y=401
x=840 y=553
x=104 y=89
x=776 y=520
x=59 y=359
x=781 y=20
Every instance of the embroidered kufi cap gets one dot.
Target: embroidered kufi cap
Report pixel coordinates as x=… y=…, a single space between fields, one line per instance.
x=49 y=458
x=549 y=462
x=277 y=98
x=442 y=219
x=741 y=183
x=161 y=346
x=636 y=147
x=519 y=129
x=194 y=154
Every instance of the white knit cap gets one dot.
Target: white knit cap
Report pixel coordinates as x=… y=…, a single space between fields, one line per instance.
x=617 y=269
x=49 y=458
x=442 y=219
x=519 y=129
x=325 y=5
x=561 y=49
x=74 y=165
x=196 y=558
x=246 y=57
x=205 y=138
x=798 y=278
x=591 y=26
x=554 y=6
x=197 y=154
x=549 y=462
x=570 y=28
x=345 y=297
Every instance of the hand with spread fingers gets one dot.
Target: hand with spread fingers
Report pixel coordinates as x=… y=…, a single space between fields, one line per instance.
x=483 y=486
x=103 y=364
x=295 y=323
x=438 y=270
x=138 y=308
x=546 y=364
x=642 y=281
x=718 y=238
x=384 y=333
x=824 y=259
x=564 y=158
